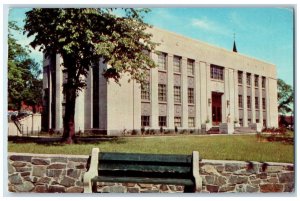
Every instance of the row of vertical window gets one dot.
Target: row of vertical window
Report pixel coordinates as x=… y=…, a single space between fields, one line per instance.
x=249 y=122
x=249 y=102
x=162 y=121
x=177 y=63
x=248 y=79
x=162 y=93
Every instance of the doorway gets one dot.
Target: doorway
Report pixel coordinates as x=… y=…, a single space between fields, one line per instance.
x=216 y=108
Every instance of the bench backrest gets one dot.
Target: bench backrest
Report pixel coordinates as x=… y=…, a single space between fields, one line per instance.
x=145 y=165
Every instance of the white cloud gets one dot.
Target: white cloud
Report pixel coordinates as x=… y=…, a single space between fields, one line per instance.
x=210 y=26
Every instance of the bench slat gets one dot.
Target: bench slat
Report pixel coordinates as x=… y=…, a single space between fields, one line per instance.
x=184 y=182
x=168 y=158
x=143 y=168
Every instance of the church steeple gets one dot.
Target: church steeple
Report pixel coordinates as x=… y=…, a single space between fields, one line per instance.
x=234 y=46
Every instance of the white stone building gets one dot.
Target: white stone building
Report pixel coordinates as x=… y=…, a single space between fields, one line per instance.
x=195 y=84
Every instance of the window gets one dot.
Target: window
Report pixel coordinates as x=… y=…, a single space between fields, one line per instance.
x=241 y=122
x=263 y=103
x=177 y=94
x=216 y=72
x=248 y=102
x=248 y=79
x=257 y=120
x=145 y=120
x=162 y=61
x=264 y=123
x=177 y=121
x=240 y=101
x=240 y=77
x=256 y=81
x=177 y=64
x=190 y=95
x=190 y=67
x=191 y=122
x=162 y=121
x=249 y=121
x=162 y=92
x=256 y=103
x=145 y=91
x=263 y=82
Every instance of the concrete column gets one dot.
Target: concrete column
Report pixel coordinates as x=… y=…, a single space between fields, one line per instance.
x=88 y=99
x=271 y=103
x=260 y=100
x=208 y=94
x=59 y=93
x=253 y=116
x=170 y=92
x=184 y=93
x=227 y=92
x=154 y=94
x=236 y=96
x=50 y=96
x=245 y=109
x=268 y=123
x=198 y=118
x=79 y=112
x=136 y=93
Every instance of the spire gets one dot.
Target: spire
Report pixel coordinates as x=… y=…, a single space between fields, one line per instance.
x=234 y=46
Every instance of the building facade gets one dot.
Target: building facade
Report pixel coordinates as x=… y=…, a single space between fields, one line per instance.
x=194 y=84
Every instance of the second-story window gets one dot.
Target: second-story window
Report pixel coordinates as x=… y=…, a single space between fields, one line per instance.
x=191 y=95
x=240 y=101
x=256 y=103
x=190 y=67
x=248 y=79
x=145 y=91
x=256 y=80
x=177 y=64
x=162 y=61
x=216 y=72
x=248 y=102
x=162 y=92
x=240 y=77
x=177 y=94
x=263 y=82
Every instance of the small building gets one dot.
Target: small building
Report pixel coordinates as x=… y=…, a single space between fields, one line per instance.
x=195 y=84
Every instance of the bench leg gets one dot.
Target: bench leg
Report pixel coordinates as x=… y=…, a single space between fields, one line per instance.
x=189 y=189
x=92 y=172
x=196 y=173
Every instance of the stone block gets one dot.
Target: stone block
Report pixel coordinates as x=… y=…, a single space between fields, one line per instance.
x=44 y=180
x=146 y=185
x=57 y=166
x=129 y=184
x=40 y=161
x=25 y=174
x=163 y=187
x=289 y=187
x=233 y=179
x=212 y=188
x=39 y=171
x=59 y=160
x=273 y=180
x=114 y=189
x=209 y=169
x=53 y=173
x=74 y=189
x=56 y=189
x=11 y=169
x=15 y=179
x=252 y=189
x=262 y=175
x=18 y=164
x=67 y=182
x=287 y=177
x=26 y=186
x=227 y=188
x=133 y=190
x=266 y=188
x=209 y=179
x=220 y=181
x=71 y=164
x=241 y=188
x=20 y=158
x=232 y=167
x=40 y=189
x=73 y=173
x=80 y=166
x=23 y=169
x=272 y=169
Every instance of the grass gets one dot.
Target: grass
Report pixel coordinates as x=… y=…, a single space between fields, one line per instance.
x=232 y=147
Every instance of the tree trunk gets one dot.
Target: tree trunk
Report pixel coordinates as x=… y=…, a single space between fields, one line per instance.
x=69 y=118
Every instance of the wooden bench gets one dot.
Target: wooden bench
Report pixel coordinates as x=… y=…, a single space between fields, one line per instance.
x=143 y=168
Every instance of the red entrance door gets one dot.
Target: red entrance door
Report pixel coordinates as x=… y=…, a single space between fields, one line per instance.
x=216 y=108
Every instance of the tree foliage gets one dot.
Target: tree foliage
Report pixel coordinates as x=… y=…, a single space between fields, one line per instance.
x=23 y=72
x=285 y=97
x=82 y=37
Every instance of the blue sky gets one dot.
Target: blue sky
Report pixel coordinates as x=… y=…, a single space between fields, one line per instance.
x=262 y=33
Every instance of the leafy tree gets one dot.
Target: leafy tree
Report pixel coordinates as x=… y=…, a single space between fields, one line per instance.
x=23 y=72
x=285 y=97
x=82 y=37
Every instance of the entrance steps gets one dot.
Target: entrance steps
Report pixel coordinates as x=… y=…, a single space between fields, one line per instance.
x=213 y=130
x=239 y=130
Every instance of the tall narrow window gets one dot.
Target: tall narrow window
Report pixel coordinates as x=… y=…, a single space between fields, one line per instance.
x=256 y=80
x=145 y=91
x=248 y=79
x=190 y=95
x=256 y=103
x=162 y=121
x=177 y=64
x=263 y=82
x=177 y=121
x=216 y=72
x=162 y=61
x=162 y=92
x=190 y=66
x=248 y=102
x=145 y=120
x=177 y=94
x=240 y=77
x=263 y=103
x=240 y=101
x=191 y=122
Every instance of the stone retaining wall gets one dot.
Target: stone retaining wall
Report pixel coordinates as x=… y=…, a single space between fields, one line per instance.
x=63 y=174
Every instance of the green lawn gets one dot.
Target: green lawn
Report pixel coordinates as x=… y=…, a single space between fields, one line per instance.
x=229 y=147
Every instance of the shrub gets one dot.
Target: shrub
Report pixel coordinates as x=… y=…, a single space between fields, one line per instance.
x=176 y=129
x=143 y=130
x=161 y=130
x=134 y=132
